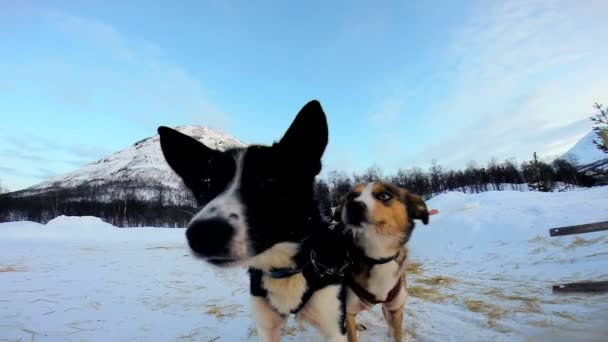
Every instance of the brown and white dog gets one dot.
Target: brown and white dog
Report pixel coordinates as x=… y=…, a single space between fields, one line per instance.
x=381 y=218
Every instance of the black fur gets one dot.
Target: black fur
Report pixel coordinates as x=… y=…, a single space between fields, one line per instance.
x=276 y=192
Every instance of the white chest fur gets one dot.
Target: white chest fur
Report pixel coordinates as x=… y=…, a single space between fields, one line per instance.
x=383 y=278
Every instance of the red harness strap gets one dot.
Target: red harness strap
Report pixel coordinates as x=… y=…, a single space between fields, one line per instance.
x=370 y=298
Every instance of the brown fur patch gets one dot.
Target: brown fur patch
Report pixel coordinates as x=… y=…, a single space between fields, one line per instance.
x=389 y=217
x=358 y=188
x=417 y=208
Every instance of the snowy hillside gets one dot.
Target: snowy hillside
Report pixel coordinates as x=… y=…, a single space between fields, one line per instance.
x=481 y=271
x=143 y=163
x=585 y=152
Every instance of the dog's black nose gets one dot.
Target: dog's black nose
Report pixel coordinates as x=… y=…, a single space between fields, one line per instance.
x=210 y=237
x=355 y=213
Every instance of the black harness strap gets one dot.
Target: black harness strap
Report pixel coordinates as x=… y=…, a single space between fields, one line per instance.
x=320 y=269
x=381 y=261
x=281 y=273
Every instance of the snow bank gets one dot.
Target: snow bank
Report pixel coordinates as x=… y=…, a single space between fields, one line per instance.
x=78 y=222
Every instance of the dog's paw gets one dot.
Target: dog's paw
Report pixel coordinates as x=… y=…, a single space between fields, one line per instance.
x=361 y=327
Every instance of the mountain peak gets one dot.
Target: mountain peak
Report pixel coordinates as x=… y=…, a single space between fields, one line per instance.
x=142 y=163
x=585 y=152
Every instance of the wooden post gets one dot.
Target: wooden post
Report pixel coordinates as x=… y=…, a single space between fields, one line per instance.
x=583 y=228
x=592 y=286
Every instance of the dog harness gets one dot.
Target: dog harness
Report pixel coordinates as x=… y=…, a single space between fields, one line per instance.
x=320 y=269
x=323 y=260
x=365 y=295
x=370 y=298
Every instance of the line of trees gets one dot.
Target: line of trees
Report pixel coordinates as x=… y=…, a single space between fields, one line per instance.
x=145 y=203
x=121 y=203
x=495 y=176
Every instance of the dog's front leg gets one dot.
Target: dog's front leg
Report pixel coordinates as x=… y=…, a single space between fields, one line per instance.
x=394 y=318
x=351 y=327
x=393 y=314
x=268 y=321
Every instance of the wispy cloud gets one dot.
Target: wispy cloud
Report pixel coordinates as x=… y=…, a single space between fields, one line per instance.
x=109 y=72
x=89 y=70
x=39 y=173
x=40 y=149
x=153 y=86
x=521 y=77
x=10 y=171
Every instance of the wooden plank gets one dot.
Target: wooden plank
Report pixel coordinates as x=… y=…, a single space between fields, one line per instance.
x=583 y=228
x=592 y=286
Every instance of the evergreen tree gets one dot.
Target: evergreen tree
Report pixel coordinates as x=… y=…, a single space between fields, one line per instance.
x=541 y=180
x=600 y=126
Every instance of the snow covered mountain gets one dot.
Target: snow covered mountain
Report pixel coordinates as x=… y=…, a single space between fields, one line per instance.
x=142 y=166
x=584 y=152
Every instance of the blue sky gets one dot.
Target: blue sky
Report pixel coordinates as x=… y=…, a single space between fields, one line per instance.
x=402 y=83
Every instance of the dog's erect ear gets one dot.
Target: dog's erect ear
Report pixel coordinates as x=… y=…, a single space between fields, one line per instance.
x=306 y=138
x=417 y=208
x=186 y=155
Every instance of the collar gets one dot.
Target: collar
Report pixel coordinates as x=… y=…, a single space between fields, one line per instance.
x=381 y=261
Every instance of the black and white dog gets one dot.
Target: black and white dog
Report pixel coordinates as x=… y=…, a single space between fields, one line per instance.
x=259 y=211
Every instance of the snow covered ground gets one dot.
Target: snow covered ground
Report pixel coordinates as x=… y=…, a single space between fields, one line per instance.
x=482 y=270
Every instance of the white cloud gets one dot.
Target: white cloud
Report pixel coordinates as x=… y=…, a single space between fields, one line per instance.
x=519 y=74
x=108 y=72
x=91 y=72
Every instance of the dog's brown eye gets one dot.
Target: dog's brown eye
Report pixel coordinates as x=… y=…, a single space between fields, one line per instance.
x=384 y=196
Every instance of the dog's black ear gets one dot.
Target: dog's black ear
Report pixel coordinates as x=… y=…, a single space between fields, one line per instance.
x=417 y=208
x=306 y=138
x=186 y=155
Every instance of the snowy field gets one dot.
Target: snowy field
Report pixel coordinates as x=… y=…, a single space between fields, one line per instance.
x=481 y=271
